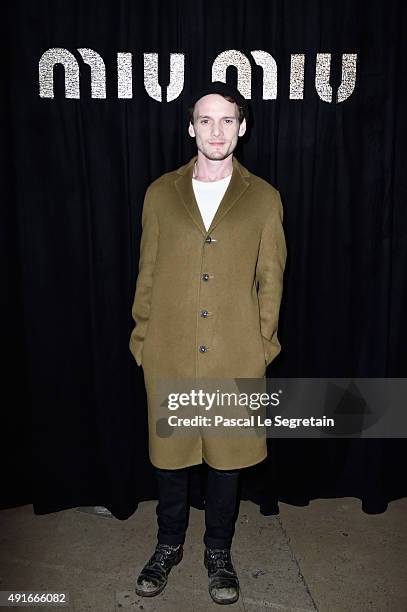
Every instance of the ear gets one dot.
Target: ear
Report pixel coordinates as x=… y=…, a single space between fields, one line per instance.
x=242 y=127
x=191 y=130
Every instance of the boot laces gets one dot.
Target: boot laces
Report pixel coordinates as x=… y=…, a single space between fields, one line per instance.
x=162 y=552
x=221 y=558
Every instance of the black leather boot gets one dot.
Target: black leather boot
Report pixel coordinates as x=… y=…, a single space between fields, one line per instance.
x=154 y=575
x=223 y=581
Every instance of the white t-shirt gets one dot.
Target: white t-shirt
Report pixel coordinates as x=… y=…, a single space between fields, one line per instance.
x=209 y=196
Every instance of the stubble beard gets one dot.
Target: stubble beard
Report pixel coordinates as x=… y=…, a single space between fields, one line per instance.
x=216 y=154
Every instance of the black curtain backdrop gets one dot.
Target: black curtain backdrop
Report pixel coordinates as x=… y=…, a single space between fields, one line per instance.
x=74 y=174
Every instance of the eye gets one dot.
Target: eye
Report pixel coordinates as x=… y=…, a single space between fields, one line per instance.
x=204 y=121
x=229 y=121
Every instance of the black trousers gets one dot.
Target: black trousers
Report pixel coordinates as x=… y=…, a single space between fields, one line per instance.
x=220 y=506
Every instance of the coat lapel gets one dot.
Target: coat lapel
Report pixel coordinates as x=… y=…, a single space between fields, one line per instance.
x=184 y=187
x=237 y=186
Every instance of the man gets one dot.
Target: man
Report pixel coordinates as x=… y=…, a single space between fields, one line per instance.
x=212 y=258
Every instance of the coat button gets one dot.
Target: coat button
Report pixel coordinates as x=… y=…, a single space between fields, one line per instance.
x=205 y=277
x=208 y=239
x=204 y=313
x=203 y=348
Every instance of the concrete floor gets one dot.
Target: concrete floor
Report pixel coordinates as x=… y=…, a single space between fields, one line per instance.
x=329 y=556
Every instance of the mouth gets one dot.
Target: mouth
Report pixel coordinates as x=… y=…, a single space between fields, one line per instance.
x=216 y=144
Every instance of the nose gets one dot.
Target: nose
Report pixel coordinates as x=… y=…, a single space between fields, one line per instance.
x=216 y=129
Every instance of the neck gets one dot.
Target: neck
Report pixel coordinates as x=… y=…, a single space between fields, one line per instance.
x=212 y=169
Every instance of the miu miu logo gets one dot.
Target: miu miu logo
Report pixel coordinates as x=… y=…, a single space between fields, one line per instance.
x=231 y=57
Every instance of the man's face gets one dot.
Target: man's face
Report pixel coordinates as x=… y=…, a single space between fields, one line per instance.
x=216 y=126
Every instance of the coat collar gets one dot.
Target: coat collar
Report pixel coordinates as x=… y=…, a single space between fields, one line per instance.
x=237 y=186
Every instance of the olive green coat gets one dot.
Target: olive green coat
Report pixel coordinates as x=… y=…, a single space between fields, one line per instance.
x=243 y=255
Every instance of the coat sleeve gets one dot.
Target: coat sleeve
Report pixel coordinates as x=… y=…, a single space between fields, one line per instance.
x=142 y=298
x=269 y=275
